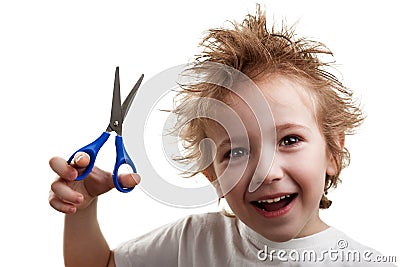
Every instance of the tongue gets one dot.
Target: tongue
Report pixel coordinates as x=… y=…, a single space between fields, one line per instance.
x=277 y=205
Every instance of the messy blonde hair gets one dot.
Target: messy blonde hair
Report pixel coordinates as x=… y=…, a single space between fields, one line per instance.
x=253 y=49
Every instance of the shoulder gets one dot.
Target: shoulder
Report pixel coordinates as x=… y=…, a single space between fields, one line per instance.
x=344 y=241
x=207 y=224
x=195 y=224
x=173 y=243
x=352 y=250
x=211 y=218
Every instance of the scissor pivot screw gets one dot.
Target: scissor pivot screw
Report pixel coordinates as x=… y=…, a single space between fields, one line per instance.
x=116 y=123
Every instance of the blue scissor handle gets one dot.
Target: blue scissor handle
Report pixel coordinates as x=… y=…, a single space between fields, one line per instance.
x=122 y=158
x=92 y=150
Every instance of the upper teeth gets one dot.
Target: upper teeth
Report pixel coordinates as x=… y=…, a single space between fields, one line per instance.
x=271 y=200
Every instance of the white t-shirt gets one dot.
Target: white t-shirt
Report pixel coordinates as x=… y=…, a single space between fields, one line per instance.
x=214 y=239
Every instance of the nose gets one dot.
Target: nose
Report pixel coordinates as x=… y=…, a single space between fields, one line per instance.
x=267 y=171
x=275 y=172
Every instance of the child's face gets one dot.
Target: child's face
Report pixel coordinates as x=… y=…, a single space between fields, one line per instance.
x=298 y=170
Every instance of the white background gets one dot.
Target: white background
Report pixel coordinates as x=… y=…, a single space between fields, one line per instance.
x=57 y=60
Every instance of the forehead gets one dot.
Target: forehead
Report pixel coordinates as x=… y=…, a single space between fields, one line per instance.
x=288 y=95
x=288 y=101
x=287 y=98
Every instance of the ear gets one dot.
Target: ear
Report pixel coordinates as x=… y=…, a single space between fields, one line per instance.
x=332 y=168
x=341 y=139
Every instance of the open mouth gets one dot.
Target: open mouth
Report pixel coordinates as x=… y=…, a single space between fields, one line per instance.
x=274 y=204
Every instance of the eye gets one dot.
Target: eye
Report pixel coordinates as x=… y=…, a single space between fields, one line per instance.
x=289 y=140
x=237 y=152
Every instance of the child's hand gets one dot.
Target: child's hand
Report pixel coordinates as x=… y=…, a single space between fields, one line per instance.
x=68 y=196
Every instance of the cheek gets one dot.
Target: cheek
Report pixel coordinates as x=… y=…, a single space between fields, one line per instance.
x=236 y=200
x=308 y=169
x=235 y=176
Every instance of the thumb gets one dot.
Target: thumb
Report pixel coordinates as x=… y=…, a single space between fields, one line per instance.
x=81 y=160
x=101 y=182
x=129 y=179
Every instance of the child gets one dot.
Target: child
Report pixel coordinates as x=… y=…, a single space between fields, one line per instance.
x=274 y=190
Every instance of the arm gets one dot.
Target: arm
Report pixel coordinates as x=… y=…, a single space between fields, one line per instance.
x=84 y=244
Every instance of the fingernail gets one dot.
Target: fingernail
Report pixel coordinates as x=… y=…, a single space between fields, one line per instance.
x=79 y=199
x=136 y=178
x=78 y=158
x=73 y=174
x=72 y=209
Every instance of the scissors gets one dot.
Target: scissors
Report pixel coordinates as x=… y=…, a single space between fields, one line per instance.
x=118 y=114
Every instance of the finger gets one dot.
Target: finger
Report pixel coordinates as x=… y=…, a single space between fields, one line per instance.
x=63 y=192
x=98 y=182
x=63 y=169
x=81 y=160
x=61 y=206
x=129 y=180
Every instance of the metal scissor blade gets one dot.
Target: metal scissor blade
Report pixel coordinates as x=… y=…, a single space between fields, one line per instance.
x=116 y=110
x=128 y=100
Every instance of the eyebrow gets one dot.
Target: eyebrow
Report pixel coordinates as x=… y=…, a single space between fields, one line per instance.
x=228 y=141
x=224 y=143
x=286 y=126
